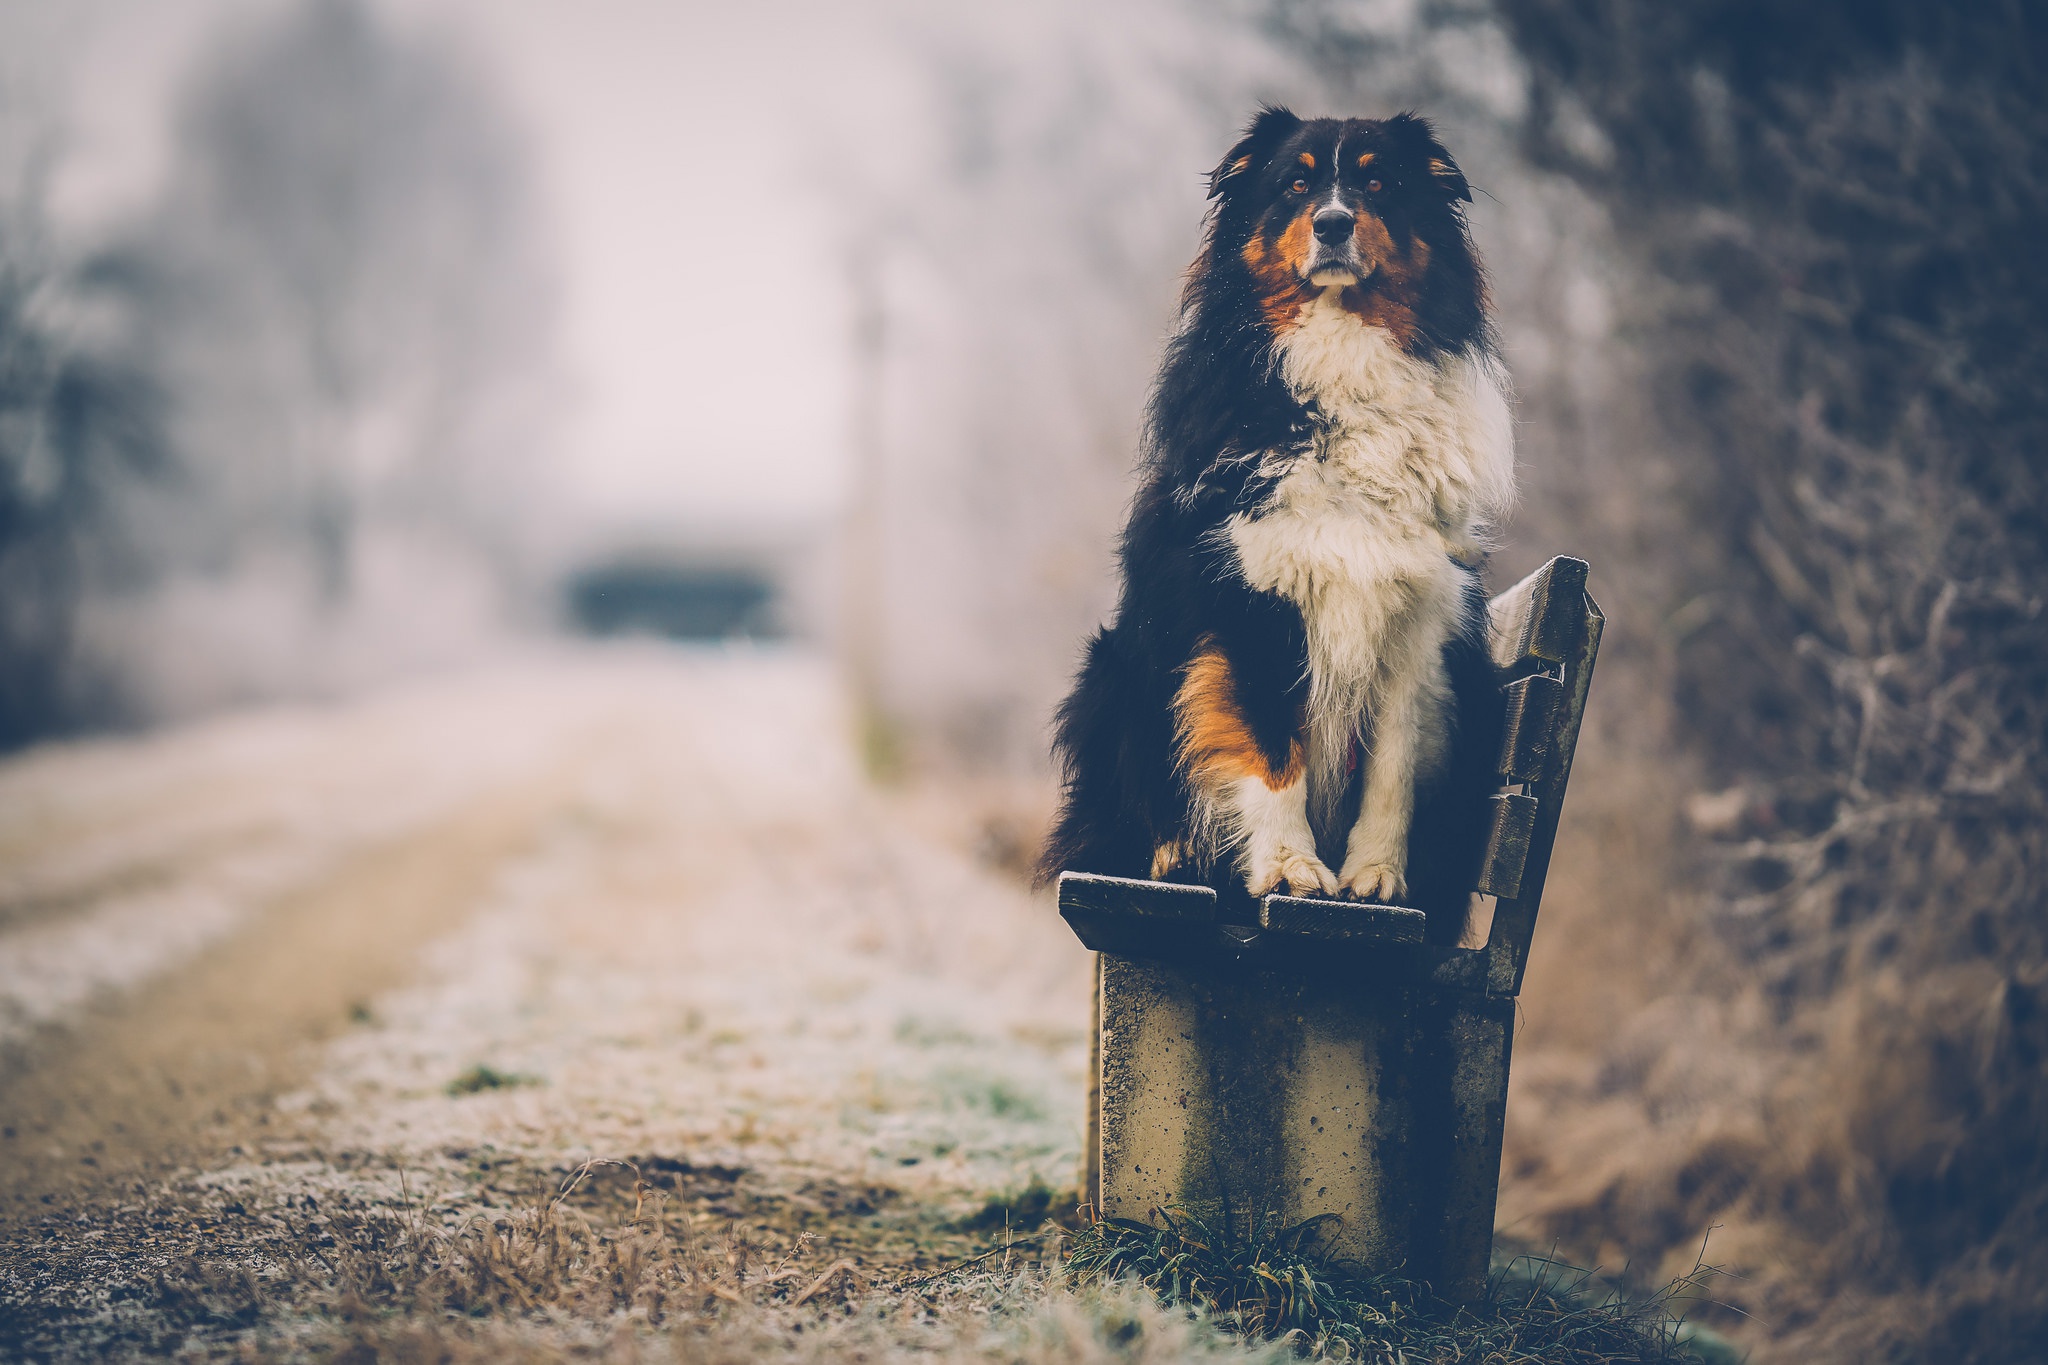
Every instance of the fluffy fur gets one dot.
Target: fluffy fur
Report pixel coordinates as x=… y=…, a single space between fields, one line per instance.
x=1295 y=693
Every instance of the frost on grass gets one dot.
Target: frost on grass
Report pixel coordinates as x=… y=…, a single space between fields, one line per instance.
x=122 y=859
x=809 y=1036
x=616 y=1260
x=1266 y=1282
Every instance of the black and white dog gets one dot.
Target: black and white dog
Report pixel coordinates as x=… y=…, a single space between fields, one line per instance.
x=1295 y=693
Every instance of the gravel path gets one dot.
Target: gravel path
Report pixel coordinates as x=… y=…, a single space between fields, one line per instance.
x=290 y=1000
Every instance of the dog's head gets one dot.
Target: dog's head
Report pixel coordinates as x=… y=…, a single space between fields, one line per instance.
x=1372 y=208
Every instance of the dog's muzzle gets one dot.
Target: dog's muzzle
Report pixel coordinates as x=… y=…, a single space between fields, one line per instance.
x=1333 y=255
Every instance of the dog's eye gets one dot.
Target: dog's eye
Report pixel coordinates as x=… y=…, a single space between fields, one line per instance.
x=1299 y=187
x=1373 y=187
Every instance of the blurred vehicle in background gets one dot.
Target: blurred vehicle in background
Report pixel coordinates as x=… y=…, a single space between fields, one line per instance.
x=676 y=598
x=677 y=601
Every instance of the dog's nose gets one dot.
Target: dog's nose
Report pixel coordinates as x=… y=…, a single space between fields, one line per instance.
x=1333 y=225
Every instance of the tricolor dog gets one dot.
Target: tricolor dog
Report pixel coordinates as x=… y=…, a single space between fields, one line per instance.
x=1295 y=694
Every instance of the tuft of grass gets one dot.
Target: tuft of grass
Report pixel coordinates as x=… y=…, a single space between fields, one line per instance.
x=481 y=1077
x=1268 y=1284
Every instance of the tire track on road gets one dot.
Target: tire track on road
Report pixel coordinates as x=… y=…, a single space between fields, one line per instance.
x=189 y=1064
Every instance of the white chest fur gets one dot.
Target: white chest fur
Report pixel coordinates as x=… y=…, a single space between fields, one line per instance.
x=1414 y=461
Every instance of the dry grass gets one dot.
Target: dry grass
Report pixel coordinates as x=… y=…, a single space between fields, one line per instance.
x=1270 y=1285
x=1831 y=567
x=614 y=1262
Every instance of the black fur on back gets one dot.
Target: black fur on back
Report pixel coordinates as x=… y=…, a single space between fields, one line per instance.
x=1218 y=406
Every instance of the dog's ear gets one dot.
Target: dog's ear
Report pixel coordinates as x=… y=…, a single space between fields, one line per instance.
x=1252 y=150
x=1419 y=140
x=1448 y=177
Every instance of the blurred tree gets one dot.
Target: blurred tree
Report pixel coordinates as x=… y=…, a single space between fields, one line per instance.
x=1835 y=212
x=276 y=436
x=346 y=289
x=76 y=426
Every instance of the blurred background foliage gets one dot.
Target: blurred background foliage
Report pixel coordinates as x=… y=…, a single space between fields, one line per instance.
x=250 y=427
x=1767 y=281
x=1833 y=210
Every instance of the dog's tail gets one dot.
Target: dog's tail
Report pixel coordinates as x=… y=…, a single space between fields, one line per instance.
x=1099 y=827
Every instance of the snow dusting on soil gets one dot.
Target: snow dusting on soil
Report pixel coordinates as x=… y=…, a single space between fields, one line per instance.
x=720 y=945
x=637 y=906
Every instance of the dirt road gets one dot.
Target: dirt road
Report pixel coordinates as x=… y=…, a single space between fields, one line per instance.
x=307 y=1016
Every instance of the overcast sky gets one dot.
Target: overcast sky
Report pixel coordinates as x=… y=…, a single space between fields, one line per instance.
x=690 y=159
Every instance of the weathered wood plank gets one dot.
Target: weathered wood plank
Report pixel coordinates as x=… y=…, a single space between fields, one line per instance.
x=1129 y=915
x=1507 y=845
x=1541 y=618
x=1345 y=921
x=1530 y=726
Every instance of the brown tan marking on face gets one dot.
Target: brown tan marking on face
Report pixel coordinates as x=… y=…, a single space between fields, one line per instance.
x=1392 y=291
x=1217 y=747
x=1308 y=159
x=1365 y=160
x=1277 y=264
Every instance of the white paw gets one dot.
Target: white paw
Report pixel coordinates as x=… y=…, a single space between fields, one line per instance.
x=1302 y=874
x=1372 y=881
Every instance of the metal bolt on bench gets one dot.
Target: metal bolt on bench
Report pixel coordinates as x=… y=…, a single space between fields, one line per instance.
x=1327 y=1060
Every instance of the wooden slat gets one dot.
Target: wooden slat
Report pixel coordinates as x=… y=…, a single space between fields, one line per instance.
x=1541 y=618
x=1345 y=921
x=1531 y=724
x=1129 y=915
x=1507 y=845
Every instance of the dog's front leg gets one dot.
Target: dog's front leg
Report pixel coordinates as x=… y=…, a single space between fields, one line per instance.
x=1279 y=847
x=1250 y=795
x=1407 y=732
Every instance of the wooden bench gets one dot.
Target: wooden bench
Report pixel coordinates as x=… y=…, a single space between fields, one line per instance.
x=1326 y=1063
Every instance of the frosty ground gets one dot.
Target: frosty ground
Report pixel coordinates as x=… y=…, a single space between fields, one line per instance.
x=304 y=1011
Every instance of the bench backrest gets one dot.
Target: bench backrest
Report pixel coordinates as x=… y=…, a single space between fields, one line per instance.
x=1544 y=634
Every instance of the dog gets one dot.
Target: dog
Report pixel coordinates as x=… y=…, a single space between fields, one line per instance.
x=1295 y=692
